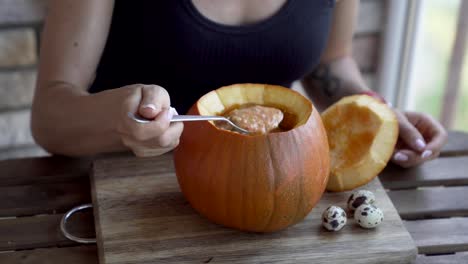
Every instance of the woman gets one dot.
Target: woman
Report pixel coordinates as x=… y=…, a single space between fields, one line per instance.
x=95 y=55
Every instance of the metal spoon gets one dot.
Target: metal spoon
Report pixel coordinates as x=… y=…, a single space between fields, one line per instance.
x=185 y=118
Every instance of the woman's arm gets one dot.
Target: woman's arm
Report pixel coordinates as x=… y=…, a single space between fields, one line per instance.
x=337 y=75
x=66 y=119
x=420 y=136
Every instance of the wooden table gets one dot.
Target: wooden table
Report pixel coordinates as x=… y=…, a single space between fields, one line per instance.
x=35 y=192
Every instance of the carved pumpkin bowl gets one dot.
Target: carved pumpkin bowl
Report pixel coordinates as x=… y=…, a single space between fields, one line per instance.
x=261 y=182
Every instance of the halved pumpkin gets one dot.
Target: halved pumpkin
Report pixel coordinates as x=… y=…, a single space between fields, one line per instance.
x=362 y=133
x=261 y=182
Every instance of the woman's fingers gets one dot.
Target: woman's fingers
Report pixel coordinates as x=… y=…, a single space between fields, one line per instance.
x=142 y=151
x=405 y=158
x=434 y=133
x=159 y=112
x=146 y=131
x=153 y=100
x=157 y=136
x=170 y=138
x=158 y=145
x=412 y=126
x=409 y=134
x=437 y=141
x=408 y=158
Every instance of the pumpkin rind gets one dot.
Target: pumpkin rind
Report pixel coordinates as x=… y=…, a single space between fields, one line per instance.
x=362 y=133
x=258 y=183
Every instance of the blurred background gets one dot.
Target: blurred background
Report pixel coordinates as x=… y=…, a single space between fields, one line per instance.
x=410 y=51
x=438 y=25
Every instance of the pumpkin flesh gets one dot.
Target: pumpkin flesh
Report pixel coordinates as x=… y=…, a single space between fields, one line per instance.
x=362 y=133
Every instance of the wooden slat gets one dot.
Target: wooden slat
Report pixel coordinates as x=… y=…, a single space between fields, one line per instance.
x=49 y=198
x=431 y=202
x=457 y=258
x=454 y=72
x=457 y=144
x=439 y=236
x=43 y=185
x=22 y=12
x=365 y=51
x=42 y=170
x=42 y=231
x=447 y=171
x=14 y=123
x=371 y=16
x=370 y=79
x=68 y=255
x=17 y=152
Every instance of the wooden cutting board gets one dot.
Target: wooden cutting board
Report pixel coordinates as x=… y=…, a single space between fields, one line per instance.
x=142 y=217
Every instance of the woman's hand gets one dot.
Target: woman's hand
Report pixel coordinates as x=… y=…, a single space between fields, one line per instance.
x=421 y=138
x=156 y=137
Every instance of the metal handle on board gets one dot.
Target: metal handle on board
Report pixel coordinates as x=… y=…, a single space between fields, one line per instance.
x=63 y=225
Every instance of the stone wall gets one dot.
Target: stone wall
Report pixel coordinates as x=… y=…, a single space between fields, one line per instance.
x=20 y=26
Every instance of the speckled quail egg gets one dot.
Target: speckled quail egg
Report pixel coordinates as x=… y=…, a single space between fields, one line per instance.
x=359 y=197
x=368 y=216
x=334 y=218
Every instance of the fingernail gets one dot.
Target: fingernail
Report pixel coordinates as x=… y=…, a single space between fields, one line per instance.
x=426 y=154
x=151 y=106
x=400 y=157
x=420 y=144
x=170 y=113
x=174 y=111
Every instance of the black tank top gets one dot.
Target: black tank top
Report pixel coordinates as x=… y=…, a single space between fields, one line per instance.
x=171 y=44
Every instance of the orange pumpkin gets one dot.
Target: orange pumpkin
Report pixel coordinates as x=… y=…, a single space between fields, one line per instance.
x=258 y=183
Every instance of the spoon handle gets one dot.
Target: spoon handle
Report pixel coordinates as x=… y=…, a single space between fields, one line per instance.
x=183 y=118
x=178 y=118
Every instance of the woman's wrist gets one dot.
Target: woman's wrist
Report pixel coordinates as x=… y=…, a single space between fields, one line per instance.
x=108 y=106
x=85 y=123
